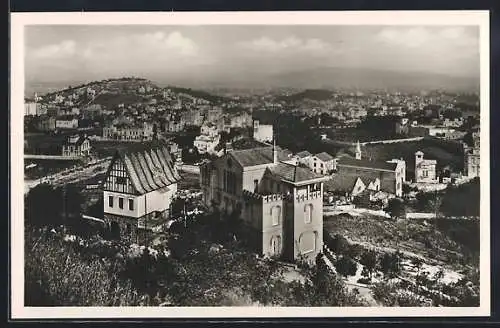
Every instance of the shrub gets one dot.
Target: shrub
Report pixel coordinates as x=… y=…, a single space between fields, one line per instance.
x=346 y=266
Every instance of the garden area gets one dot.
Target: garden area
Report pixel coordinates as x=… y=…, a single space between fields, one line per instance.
x=407 y=263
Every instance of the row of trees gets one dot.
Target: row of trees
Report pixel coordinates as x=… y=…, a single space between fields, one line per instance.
x=462 y=200
x=349 y=255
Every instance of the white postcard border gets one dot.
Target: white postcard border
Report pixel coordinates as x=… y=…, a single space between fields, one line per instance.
x=20 y=20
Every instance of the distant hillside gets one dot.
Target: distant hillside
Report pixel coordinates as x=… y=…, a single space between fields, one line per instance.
x=361 y=78
x=312 y=94
x=198 y=94
x=126 y=90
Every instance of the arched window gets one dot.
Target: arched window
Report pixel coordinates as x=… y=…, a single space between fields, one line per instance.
x=308 y=209
x=276 y=215
x=307 y=242
x=275 y=245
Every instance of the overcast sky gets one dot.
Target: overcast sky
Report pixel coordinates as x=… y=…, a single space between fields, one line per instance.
x=81 y=52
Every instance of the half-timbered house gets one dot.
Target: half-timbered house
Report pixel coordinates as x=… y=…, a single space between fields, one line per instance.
x=139 y=186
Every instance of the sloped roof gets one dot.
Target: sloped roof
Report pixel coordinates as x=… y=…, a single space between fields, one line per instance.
x=258 y=156
x=324 y=156
x=340 y=182
x=303 y=154
x=78 y=142
x=293 y=173
x=149 y=165
x=376 y=165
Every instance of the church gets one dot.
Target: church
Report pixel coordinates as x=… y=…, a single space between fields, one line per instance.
x=355 y=175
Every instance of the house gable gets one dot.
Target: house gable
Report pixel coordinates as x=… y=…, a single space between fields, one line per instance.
x=118 y=178
x=374 y=185
x=359 y=187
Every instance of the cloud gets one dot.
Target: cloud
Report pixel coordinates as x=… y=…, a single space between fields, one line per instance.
x=291 y=45
x=414 y=37
x=65 y=48
x=411 y=37
x=173 y=41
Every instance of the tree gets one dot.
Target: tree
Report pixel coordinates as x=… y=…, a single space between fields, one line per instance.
x=389 y=264
x=337 y=244
x=44 y=206
x=428 y=201
x=346 y=266
x=396 y=208
x=73 y=201
x=406 y=189
x=57 y=275
x=369 y=260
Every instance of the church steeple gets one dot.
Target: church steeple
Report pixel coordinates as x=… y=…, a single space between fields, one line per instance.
x=358 y=150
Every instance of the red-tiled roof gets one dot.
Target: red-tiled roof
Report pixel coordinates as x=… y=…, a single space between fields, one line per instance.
x=149 y=166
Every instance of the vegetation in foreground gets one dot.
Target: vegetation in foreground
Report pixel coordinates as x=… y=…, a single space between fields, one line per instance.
x=69 y=262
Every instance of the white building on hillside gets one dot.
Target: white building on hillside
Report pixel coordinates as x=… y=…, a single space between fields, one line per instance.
x=262 y=133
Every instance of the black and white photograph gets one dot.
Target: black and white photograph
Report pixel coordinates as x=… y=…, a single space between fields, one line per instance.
x=250 y=164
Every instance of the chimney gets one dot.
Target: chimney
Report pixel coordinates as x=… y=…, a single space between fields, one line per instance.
x=275 y=152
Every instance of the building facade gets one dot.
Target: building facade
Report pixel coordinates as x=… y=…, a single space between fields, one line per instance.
x=67 y=123
x=280 y=202
x=76 y=146
x=472 y=157
x=322 y=163
x=46 y=123
x=129 y=132
x=262 y=133
x=139 y=187
x=388 y=176
x=425 y=169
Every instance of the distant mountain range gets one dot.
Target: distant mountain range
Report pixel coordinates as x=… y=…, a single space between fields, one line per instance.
x=317 y=78
x=362 y=79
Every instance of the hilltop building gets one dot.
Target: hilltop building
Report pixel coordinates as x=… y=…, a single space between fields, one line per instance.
x=281 y=203
x=139 y=186
x=425 y=169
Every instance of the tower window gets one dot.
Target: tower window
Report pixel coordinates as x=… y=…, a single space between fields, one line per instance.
x=308 y=213
x=120 y=203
